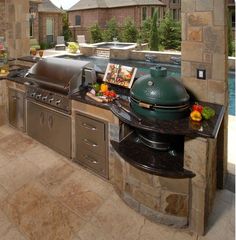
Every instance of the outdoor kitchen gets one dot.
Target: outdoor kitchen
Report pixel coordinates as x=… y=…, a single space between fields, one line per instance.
x=135 y=132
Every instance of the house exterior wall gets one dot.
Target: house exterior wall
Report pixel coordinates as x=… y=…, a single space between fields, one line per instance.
x=57 y=26
x=91 y=16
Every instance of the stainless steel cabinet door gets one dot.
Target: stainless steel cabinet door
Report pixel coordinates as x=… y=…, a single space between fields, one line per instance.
x=59 y=129
x=50 y=128
x=37 y=122
x=17 y=109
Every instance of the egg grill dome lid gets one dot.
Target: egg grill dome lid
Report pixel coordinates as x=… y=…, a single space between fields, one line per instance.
x=158 y=89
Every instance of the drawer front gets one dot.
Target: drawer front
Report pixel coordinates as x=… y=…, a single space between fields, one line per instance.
x=93 y=161
x=90 y=125
x=90 y=135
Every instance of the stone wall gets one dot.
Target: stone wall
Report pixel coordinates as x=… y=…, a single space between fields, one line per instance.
x=204 y=34
x=17 y=27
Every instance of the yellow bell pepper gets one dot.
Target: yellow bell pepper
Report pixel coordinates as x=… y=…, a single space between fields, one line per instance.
x=104 y=87
x=196 y=116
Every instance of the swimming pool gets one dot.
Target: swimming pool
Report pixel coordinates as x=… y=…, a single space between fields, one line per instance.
x=143 y=69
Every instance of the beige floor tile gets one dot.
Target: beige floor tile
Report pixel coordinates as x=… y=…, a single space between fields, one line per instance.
x=184 y=235
x=6 y=130
x=13 y=234
x=40 y=216
x=16 y=174
x=117 y=220
x=91 y=232
x=3 y=193
x=78 y=197
x=4 y=160
x=16 y=144
x=55 y=176
x=43 y=157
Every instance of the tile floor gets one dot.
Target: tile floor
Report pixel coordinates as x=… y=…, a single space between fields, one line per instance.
x=43 y=196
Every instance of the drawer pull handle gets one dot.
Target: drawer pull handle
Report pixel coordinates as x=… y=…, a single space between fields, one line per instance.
x=89 y=126
x=90 y=159
x=90 y=143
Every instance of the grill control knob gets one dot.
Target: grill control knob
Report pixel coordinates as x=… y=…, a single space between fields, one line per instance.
x=44 y=98
x=38 y=96
x=58 y=102
x=32 y=94
x=51 y=100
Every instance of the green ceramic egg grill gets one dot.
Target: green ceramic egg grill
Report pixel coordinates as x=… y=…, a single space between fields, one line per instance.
x=157 y=96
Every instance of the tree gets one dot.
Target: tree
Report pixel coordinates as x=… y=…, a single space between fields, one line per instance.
x=230 y=39
x=170 y=33
x=154 y=38
x=111 y=31
x=130 y=32
x=66 y=32
x=96 y=33
x=146 y=30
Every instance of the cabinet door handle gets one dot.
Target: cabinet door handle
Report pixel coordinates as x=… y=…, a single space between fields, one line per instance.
x=90 y=143
x=90 y=127
x=41 y=118
x=90 y=159
x=50 y=121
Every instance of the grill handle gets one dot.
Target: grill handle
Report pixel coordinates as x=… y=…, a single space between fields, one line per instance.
x=144 y=105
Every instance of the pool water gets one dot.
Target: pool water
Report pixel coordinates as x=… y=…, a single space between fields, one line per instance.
x=113 y=45
x=143 y=69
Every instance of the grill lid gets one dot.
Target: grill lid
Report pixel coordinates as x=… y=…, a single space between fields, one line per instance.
x=63 y=75
x=159 y=90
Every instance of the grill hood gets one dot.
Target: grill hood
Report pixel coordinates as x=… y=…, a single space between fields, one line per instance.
x=62 y=75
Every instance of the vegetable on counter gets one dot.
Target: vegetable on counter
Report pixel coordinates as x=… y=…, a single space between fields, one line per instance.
x=104 y=87
x=208 y=113
x=196 y=116
x=197 y=107
x=200 y=112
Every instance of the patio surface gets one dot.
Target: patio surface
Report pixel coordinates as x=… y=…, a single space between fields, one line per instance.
x=44 y=196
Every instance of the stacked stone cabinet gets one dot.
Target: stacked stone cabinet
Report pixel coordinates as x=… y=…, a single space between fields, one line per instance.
x=204 y=46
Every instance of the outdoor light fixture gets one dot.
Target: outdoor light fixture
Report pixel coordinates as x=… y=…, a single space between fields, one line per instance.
x=33 y=12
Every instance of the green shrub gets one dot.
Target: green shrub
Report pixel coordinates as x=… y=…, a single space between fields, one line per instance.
x=170 y=33
x=154 y=38
x=130 y=32
x=111 y=31
x=231 y=48
x=66 y=32
x=96 y=33
x=145 y=30
x=44 y=46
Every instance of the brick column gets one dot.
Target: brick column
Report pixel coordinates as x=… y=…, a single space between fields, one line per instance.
x=204 y=46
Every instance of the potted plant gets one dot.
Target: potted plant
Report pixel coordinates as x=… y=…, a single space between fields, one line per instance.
x=73 y=47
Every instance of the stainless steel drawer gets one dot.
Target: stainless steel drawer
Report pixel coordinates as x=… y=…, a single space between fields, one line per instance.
x=93 y=161
x=90 y=135
x=90 y=125
x=91 y=143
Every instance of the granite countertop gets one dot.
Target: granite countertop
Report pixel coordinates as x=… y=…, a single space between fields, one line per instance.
x=206 y=128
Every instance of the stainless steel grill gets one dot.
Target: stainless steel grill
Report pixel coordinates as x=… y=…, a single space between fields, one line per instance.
x=52 y=80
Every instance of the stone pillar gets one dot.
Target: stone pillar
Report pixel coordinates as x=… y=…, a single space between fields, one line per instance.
x=204 y=46
x=17 y=31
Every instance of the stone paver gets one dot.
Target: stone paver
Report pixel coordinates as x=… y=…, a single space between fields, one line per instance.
x=44 y=196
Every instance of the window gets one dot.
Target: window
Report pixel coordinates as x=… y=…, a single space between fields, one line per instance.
x=233 y=19
x=77 y=20
x=175 y=14
x=31 y=25
x=144 y=13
